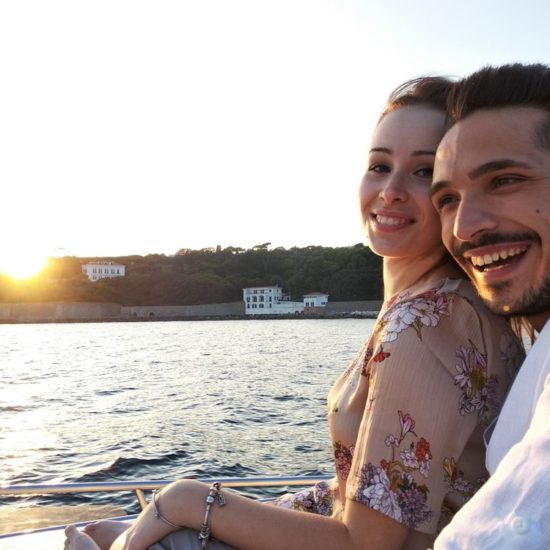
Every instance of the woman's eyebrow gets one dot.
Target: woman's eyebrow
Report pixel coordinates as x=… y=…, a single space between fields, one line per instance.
x=418 y=153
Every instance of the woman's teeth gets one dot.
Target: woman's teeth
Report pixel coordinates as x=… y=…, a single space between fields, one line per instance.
x=388 y=220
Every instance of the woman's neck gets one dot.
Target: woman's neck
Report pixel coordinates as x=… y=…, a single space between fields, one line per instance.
x=402 y=273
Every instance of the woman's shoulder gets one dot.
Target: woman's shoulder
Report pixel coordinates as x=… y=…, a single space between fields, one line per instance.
x=420 y=307
x=443 y=291
x=437 y=294
x=449 y=305
x=468 y=300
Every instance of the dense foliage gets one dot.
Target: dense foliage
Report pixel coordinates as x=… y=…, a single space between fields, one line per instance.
x=208 y=276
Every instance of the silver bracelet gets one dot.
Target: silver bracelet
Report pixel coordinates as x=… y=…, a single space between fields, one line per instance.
x=159 y=515
x=214 y=493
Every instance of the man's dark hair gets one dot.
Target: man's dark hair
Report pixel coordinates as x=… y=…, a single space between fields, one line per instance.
x=430 y=91
x=514 y=85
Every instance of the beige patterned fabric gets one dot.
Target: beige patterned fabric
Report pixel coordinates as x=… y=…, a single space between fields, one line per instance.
x=407 y=416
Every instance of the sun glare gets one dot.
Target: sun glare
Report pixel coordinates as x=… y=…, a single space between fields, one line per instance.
x=22 y=266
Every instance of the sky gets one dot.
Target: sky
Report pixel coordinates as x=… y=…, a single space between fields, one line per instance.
x=140 y=127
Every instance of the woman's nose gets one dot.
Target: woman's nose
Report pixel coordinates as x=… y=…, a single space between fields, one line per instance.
x=393 y=189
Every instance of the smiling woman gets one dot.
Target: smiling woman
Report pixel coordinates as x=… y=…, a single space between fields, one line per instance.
x=22 y=264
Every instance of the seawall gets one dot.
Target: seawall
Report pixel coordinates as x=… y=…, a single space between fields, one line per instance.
x=60 y=312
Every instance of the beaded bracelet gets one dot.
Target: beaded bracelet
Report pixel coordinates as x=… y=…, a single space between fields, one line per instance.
x=159 y=515
x=213 y=494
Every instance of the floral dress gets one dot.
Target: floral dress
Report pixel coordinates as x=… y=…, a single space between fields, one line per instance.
x=407 y=416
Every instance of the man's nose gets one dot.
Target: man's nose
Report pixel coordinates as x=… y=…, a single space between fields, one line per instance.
x=473 y=218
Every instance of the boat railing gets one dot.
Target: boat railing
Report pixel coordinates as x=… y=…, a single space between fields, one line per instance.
x=140 y=486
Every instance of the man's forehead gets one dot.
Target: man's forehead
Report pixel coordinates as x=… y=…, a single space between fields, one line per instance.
x=487 y=134
x=503 y=124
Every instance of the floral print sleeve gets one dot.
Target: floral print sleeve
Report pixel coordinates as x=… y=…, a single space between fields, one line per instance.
x=434 y=378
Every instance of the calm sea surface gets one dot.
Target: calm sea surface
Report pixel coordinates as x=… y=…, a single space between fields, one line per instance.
x=122 y=401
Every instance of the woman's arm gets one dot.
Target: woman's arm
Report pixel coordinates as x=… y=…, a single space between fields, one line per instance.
x=248 y=524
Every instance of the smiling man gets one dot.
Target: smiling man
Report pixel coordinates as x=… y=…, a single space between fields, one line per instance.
x=492 y=189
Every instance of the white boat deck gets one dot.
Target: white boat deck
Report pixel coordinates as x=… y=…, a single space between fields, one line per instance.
x=51 y=538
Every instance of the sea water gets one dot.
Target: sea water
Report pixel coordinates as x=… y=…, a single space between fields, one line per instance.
x=162 y=400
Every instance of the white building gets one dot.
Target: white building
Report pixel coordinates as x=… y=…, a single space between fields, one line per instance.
x=269 y=300
x=315 y=299
x=103 y=270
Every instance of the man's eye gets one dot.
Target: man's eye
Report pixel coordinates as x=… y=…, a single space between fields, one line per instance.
x=379 y=168
x=506 y=180
x=445 y=200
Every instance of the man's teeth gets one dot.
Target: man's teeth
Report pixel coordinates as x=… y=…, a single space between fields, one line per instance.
x=487 y=259
x=387 y=220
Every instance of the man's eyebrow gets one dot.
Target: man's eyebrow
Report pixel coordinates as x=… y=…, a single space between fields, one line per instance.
x=380 y=150
x=422 y=152
x=437 y=186
x=495 y=165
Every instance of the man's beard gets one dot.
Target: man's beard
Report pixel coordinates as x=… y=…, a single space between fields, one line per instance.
x=532 y=302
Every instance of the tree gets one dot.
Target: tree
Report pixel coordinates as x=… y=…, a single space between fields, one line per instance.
x=209 y=276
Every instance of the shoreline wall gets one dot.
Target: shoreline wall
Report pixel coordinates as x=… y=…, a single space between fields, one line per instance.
x=60 y=312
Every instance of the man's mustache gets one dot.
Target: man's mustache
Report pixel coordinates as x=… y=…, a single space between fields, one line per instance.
x=495 y=238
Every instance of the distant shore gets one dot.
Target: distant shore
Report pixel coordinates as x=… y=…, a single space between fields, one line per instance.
x=90 y=312
x=356 y=315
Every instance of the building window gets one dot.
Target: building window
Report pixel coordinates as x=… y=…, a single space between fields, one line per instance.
x=261 y=306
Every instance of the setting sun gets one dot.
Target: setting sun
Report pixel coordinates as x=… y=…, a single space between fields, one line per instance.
x=22 y=265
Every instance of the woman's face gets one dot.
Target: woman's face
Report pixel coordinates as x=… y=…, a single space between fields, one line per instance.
x=398 y=215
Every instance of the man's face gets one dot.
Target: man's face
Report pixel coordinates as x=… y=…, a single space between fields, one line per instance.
x=492 y=190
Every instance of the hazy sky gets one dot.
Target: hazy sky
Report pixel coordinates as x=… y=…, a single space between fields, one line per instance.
x=148 y=126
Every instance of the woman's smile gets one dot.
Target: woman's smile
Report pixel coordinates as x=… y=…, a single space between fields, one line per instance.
x=390 y=221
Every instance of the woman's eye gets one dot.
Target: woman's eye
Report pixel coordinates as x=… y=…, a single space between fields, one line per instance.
x=427 y=172
x=379 y=168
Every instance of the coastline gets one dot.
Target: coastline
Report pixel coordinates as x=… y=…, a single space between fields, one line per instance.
x=88 y=312
x=353 y=315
